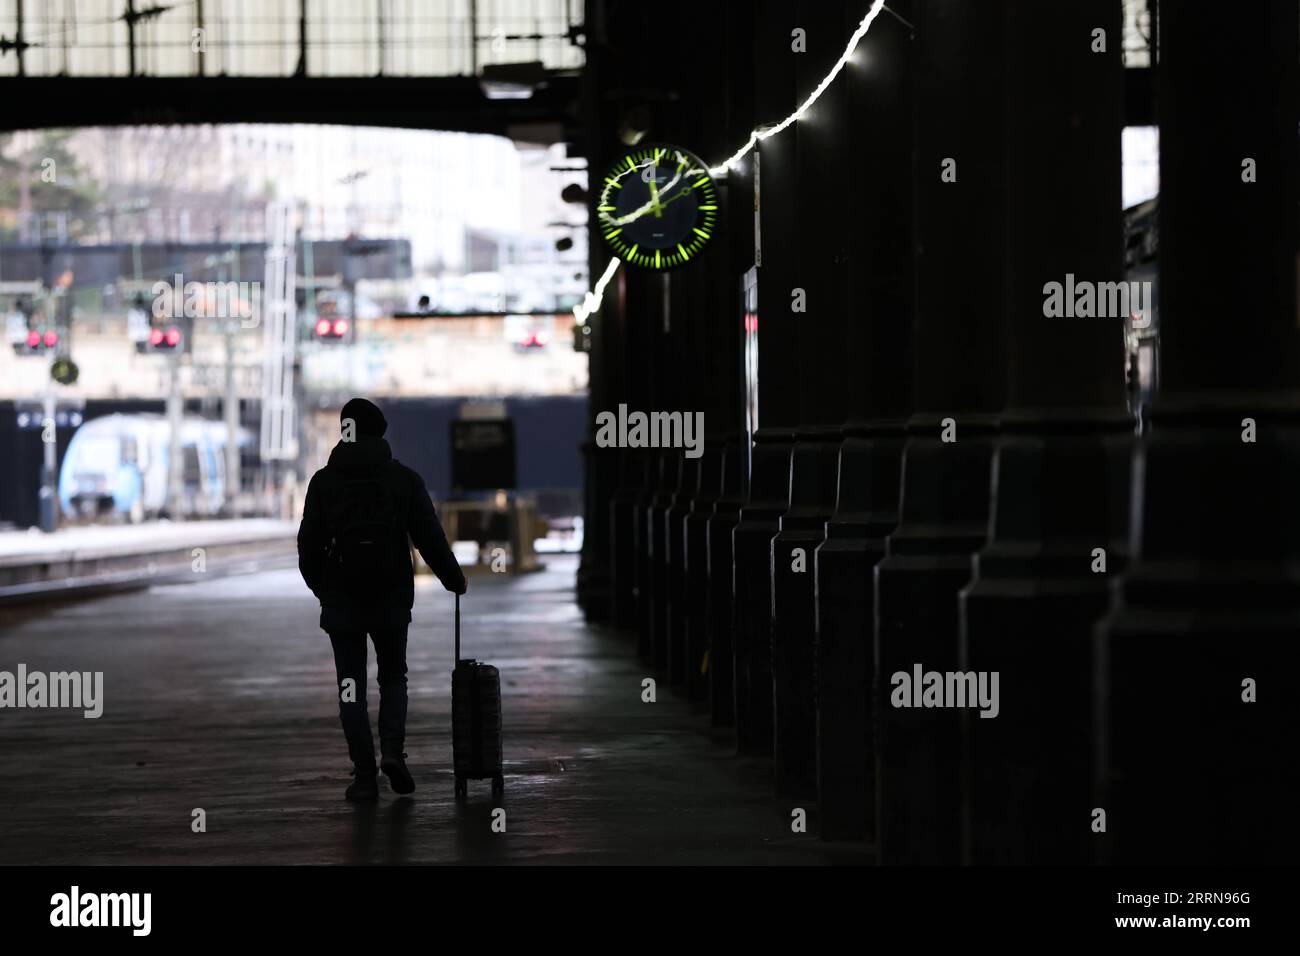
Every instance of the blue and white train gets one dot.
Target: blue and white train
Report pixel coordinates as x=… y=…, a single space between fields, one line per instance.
x=117 y=465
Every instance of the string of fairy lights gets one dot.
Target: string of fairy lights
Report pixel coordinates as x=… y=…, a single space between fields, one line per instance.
x=591 y=302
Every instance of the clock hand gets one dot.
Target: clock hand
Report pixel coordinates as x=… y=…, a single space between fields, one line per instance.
x=636 y=214
x=682 y=192
x=654 y=198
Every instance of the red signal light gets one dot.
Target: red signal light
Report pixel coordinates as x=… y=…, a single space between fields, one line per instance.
x=33 y=340
x=340 y=327
x=155 y=336
x=51 y=339
x=322 y=327
x=173 y=336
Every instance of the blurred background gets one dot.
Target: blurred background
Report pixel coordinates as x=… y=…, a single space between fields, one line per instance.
x=429 y=269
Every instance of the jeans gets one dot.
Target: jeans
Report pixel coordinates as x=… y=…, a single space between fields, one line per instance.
x=350 y=662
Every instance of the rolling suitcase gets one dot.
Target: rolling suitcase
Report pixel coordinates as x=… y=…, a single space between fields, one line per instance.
x=475 y=721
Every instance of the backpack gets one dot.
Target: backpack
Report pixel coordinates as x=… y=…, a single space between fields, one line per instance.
x=364 y=524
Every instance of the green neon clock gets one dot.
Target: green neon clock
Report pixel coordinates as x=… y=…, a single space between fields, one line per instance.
x=658 y=207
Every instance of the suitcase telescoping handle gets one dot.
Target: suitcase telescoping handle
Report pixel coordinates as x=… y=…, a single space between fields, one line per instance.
x=457 y=628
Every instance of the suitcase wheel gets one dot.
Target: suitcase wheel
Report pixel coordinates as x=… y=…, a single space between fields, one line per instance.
x=462 y=788
x=498 y=785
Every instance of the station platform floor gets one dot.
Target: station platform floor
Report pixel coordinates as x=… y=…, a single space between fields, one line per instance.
x=219 y=695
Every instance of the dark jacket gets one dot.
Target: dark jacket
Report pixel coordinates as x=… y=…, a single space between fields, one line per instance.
x=390 y=605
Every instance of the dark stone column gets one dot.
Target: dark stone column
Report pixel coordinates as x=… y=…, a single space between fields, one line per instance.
x=1062 y=462
x=877 y=337
x=703 y=320
x=958 y=369
x=695 y=576
x=662 y=554
x=675 y=555
x=866 y=512
x=768 y=486
x=727 y=428
x=634 y=466
x=769 y=489
x=637 y=313
x=1190 y=770
x=813 y=476
x=593 y=585
x=654 y=618
x=709 y=557
x=720 y=597
x=632 y=318
x=666 y=342
x=642 y=566
x=821 y=271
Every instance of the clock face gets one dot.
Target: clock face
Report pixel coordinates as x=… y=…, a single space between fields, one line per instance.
x=658 y=207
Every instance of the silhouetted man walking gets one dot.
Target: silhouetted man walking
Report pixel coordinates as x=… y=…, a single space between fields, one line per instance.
x=353 y=552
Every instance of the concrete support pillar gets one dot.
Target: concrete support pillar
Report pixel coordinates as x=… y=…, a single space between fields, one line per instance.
x=820 y=279
x=634 y=476
x=765 y=502
x=720 y=601
x=959 y=388
x=595 y=592
x=738 y=42
x=1195 y=712
x=877 y=337
x=813 y=476
x=670 y=342
x=659 y=555
x=695 y=573
x=643 y=542
x=818 y=301
x=768 y=487
x=688 y=488
x=595 y=584
x=866 y=512
x=1062 y=461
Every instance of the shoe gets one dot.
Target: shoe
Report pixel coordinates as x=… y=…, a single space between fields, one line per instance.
x=393 y=767
x=364 y=788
